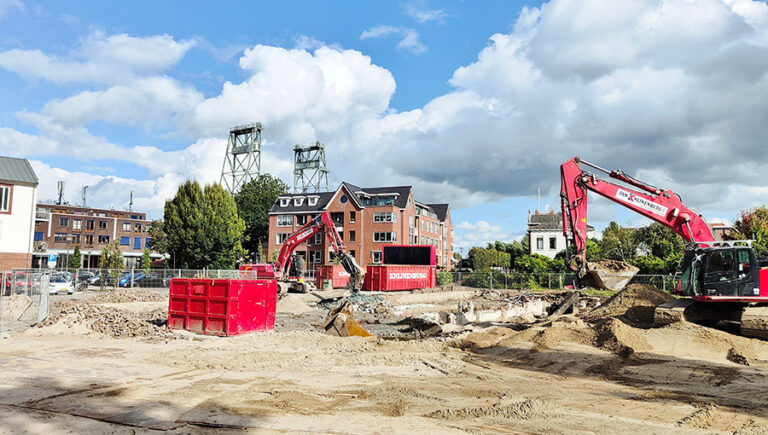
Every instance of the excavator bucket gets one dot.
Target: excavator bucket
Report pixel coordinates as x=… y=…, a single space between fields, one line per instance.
x=609 y=275
x=341 y=322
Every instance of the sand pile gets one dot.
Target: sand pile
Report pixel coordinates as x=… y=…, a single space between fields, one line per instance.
x=616 y=336
x=635 y=304
x=127 y=295
x=20 y=308
x=613 y=266
x=292 y=304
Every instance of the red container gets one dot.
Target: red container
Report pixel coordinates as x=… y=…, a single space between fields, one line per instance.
x=222 y=306
x=336 y=273
x=398 y=277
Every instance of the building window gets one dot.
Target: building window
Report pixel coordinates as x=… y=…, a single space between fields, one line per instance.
x=298 y=201
x=77 y=224
x=539 y=243
x=351 y=236
x=385 y=217
x=137 y=243
x=89 y=225
x=5 y=198
x=317 y=239
x=102 y=225
x=126 y=226
x=352 y=217
x=63 y=222
x=315 y=256
x=284 y=220
x=352 y=253
x=552 y=243
x=125 y=241
x=39 y=235
x=137 y=228
x=341 y=235
x=103 y=239
x=89 y=239
x=281 y=237
x=338 y=219
x=60 y=238
x=301 y=219
x=284 y=202
x=147 y=242
x=75 y=238
x=385 y=237
x=376 y=257
x=312 y=201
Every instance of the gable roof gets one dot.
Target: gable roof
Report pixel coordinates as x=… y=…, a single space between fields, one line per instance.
x=441 y=210
x=17 y=171
x=548 y=222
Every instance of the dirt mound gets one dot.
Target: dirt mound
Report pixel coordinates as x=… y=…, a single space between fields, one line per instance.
x=71 y=316
x=689 y=340
x=612 y=266
x=20 y=308
x=292 y=304
x=616 y=336
x=133 y=295
x=635 y=304
x=563 y=331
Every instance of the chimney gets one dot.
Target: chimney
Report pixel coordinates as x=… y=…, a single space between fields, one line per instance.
x=552 y=212
x=537 y=212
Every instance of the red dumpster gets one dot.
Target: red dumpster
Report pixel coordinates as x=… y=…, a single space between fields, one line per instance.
x=222 y=306
x=336 y=273
x=398 y=277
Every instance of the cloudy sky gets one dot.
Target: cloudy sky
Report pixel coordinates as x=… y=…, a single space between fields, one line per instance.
x=475 y=104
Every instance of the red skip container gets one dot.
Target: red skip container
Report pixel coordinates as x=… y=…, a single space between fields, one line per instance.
x=222 y=306
x=336 y=273
x=398 y=277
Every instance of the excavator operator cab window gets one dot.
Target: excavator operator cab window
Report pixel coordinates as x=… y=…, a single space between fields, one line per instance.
x=729 y=272
x=720 y=266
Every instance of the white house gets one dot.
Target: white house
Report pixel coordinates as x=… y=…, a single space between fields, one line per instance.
x=18 y=196
x=545 y=233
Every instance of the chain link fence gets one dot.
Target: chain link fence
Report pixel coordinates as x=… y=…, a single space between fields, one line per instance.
x=537 y=281
x=23 y=300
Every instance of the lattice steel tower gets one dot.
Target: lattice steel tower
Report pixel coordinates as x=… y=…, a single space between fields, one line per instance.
x=242 y=163
x=310 y=175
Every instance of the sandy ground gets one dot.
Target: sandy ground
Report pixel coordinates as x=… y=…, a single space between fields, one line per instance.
x=560 y=375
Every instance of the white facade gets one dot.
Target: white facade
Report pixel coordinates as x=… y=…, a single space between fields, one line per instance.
x=16 y=228
x=549 y=243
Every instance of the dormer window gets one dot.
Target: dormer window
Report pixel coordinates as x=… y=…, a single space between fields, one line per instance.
x=284 y=202
x=312 y=201
x=298 y=201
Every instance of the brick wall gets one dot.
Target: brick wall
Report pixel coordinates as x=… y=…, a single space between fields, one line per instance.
x=10 y=261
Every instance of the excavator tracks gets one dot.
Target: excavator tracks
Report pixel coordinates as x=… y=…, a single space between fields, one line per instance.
x=671 y=312
x=754 y=322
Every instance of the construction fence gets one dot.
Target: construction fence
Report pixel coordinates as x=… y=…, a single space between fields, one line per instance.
x=537 y=281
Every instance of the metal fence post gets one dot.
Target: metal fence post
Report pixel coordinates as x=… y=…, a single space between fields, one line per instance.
x=2 y=304
x=491 y=276
x=663 y=283
x=131 y=279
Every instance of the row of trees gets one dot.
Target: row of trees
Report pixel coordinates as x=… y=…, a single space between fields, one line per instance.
x=654 y=249
x=111 y=258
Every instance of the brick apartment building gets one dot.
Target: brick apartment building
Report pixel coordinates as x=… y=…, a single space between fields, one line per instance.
x=58 y=228
x=18 y=195
x=367 y=219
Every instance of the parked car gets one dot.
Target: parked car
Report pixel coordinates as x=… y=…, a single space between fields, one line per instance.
x=58 y=284
x=18 y=282
x=125 y=280
x=147 y=280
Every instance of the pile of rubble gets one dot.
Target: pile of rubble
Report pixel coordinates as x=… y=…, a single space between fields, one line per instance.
x=114 y=322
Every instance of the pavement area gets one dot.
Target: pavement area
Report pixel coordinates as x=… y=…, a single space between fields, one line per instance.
x=497 y=362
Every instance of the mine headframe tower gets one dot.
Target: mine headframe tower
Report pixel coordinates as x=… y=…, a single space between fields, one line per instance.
x=242 y=162
x=310 y=174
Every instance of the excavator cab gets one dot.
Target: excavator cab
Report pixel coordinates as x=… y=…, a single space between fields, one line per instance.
x=727 y=270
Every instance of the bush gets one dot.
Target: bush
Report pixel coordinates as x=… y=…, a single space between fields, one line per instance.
x=482 y=279
x=444 y=278
x=482 y=259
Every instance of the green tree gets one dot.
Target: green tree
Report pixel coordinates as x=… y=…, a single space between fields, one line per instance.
x=203 y=228
x=482 y=258
x=535 y=263
x=111 y=263
x=156 y=233
x=76 y=261
x=254 y=201
x=659 y=240
x=146 y=261
x=618 y=243
x=754 y=225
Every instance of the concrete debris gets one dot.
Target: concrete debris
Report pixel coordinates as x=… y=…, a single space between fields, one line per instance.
x=340 y=322
x=610 y=274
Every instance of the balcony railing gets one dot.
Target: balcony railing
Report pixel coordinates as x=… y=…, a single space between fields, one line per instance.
x=43 y=215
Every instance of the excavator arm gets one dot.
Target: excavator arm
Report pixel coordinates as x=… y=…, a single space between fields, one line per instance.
x=321 y=222
x=663 y=206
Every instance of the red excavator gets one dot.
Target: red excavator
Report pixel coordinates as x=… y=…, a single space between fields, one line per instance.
x=721 y=279
x=280 y=271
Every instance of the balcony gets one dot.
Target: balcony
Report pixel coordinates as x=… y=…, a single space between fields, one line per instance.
x=42 y=215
